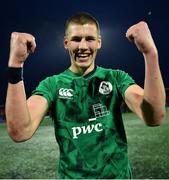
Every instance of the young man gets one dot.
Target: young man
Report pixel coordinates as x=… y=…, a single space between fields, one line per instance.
x=85 y=100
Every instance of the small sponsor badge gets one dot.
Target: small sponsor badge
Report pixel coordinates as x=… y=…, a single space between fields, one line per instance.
x=105 y=87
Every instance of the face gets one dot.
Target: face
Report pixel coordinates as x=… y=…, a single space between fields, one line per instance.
x=82 y=42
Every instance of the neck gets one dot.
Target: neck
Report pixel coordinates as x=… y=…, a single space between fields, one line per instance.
x=82 y=70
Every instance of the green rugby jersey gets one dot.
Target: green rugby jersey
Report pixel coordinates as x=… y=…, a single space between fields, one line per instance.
x=88 y=122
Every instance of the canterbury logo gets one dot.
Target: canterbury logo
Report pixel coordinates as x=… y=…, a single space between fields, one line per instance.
x=65 y=93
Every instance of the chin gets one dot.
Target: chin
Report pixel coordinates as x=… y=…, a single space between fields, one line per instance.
x=84 y=65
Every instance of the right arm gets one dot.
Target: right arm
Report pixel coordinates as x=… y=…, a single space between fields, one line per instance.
x=23 y=116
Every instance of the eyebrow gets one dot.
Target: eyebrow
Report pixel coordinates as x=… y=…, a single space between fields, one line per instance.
x=79 y=37
x=75 y=38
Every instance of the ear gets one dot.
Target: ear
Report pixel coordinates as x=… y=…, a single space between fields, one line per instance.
x=65 y=42
x=99 y=42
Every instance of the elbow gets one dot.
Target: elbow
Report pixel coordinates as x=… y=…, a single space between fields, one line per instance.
x=17 y=136
x=17 y=131
x=157 y=120
x=153 y=116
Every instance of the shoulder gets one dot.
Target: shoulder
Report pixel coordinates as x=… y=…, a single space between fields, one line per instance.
x=116 y=73
x=54 y=78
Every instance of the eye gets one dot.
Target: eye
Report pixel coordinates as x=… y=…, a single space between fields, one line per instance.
x=90 y=38
x=76 y=39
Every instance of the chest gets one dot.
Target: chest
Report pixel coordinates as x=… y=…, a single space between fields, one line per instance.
x=86 y=99
x=86 y=107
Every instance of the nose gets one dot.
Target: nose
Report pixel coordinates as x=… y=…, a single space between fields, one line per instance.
x=83 y=44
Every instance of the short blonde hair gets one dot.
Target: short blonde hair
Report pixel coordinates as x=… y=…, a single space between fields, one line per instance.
x=82 y=18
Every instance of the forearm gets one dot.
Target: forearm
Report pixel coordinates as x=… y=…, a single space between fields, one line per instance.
x=19 y=123
x=153 y=106
x=150 y=103
x=17 y=113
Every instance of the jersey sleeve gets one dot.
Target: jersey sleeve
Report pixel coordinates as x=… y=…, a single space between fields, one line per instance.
x=46 y=88
x=123 y=80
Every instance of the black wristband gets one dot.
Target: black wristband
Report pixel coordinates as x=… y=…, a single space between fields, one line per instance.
x=14 y=74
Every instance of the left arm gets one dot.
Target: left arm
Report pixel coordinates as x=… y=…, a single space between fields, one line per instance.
x=147 y=103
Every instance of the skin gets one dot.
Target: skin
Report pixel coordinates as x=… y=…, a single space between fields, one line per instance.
x=82 y=43
x=147 y=103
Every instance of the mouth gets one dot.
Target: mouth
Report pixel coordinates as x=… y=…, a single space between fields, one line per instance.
x=82 y=56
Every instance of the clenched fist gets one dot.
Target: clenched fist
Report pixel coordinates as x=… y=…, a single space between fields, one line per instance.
x=21 y=45
x=141 y=36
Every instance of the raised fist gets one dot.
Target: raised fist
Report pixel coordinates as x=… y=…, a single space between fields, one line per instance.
x=21 y=45
x=141 y=36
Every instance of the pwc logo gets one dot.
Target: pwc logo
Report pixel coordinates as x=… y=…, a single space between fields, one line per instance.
x=65 y=93
x=86 y=129
x=100 y=111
